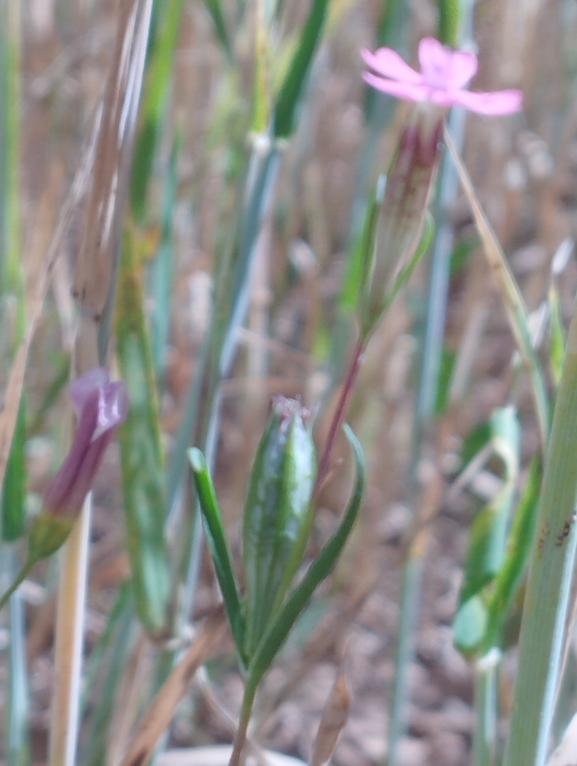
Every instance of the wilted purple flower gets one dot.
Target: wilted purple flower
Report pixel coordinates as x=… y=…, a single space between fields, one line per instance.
x=101 y=406
x=441 y=81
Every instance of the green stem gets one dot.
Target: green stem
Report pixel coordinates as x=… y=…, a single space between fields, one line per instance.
x=244 y=720
x=484 y=737
x=24 y=572
x=340 y=412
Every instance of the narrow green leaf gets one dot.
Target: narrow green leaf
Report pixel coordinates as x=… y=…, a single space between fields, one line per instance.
x=487 y=537
x=449 y=21
x=517 y=555
x=214 y=8
x=13 y=522
x=219 y=549
x=294 y=83
x=261 y=89
x=141 y=451
x=319 y=569
x=488 y=532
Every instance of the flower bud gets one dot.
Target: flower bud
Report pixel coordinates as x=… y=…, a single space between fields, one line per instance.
x=403 y=207
x=101 y=406
x=277 y=515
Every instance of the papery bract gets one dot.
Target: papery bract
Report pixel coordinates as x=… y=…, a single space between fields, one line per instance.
x=441 y=81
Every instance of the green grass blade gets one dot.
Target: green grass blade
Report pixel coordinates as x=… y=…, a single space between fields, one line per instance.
x=153 y=107
x=284 y=116
x=118 y=637
x=162 y=269
x=218 y=547
x=550 y=576
x=141 y=451
x=319 y=569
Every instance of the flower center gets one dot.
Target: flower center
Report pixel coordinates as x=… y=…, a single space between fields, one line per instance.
x=437 y=74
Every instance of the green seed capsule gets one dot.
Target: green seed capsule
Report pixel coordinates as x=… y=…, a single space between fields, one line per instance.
x=277 y=515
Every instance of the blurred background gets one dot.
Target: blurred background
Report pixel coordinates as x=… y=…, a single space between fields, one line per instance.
x=183 y=200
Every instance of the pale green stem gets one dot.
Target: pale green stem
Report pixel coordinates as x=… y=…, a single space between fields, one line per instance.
x=244 y=720
x=485 y=734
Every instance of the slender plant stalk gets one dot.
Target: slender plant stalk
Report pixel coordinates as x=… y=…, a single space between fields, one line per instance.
x=340 y=413
x=550 y=575
x=68 y=649
x=18 y=748
x=244 y=720
x=485 y=737
x=19 y=579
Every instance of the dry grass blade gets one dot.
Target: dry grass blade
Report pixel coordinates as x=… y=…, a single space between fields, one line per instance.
x=68 y=649
x=159 y=715
x=510 y=293
x=332 y=722
x=96 y=261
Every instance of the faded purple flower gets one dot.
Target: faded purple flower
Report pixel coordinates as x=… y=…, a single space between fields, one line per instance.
x=101 y=406
x=441 y=81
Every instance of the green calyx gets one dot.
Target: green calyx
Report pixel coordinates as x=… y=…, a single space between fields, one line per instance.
x=47 y=534
x=277 y=516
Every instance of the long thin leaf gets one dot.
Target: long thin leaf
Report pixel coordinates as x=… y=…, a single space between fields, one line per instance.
x=294 y=83
x=219 y=549
x=141 y=451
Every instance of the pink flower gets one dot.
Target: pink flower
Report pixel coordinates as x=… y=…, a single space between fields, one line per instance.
x=441 y=81
x=101 y=406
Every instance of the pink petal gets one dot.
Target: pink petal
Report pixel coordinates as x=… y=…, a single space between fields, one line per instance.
x=83 y=388
x=499 y=102
x=112 y=407
x=398 y=89
x=463 y=68
x=388 y=63
x=436 y=62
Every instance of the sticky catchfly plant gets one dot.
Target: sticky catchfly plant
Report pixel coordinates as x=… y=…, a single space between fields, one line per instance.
x=441 y=81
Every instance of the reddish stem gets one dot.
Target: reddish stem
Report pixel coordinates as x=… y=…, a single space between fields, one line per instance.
x=339 y=416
